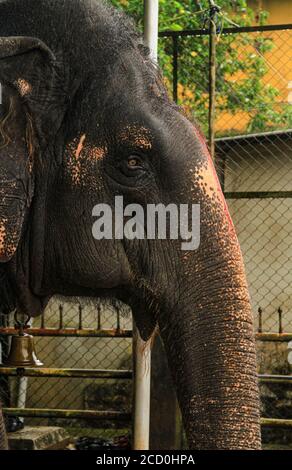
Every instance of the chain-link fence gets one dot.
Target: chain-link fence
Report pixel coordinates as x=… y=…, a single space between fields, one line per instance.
x=253 y=156
x=253 y=129
x=87 y=356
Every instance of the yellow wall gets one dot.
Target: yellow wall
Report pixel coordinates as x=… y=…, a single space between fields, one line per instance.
x=278 y=62
x=280 y=10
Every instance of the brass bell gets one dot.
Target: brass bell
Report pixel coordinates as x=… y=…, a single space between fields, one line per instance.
x=22 y=352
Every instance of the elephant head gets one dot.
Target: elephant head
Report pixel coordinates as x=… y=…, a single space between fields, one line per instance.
x=86 y=118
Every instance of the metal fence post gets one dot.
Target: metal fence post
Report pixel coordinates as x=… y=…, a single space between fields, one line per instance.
x=175 y=67
x=142 y=375
x=151 y=11
x=212 y=77
x=142 y=350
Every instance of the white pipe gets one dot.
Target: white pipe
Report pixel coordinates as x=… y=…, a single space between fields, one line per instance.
x=151 y=14
x=21 y=394
x=22 y=386
x=142 y=350
x=142 y=377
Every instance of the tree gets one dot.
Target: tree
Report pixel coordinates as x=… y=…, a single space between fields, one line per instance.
x=243 y=98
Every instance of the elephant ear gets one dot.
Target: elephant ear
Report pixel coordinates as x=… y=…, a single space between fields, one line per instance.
x=23 y=66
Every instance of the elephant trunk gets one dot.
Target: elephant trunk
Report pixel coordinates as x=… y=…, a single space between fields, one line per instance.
x=211 y=352
x=213 y=365
x=209 y=339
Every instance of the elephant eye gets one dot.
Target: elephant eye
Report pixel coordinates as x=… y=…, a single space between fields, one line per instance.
x=134 y=162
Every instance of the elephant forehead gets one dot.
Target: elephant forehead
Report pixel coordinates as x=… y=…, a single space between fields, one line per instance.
x=136 y=135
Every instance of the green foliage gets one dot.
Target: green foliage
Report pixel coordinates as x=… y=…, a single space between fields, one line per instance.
x=241 y=65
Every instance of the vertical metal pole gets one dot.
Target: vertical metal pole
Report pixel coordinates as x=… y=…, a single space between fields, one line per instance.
x=22 y=387
x=280 y=320
x=142 y=350
x=174 y=65
x=151 y=12
x=80 y=317
x=212 y=80
x=260 y=328
x=21 y=394
x=142 y=368
x=5 y=343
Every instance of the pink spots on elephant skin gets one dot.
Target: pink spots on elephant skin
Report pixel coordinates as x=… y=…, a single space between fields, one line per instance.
x=208 y=179
x=24 y=87
x=80 y=146
x=2 y=236
x=8 y=239
x=81 y=159
x=137 y=136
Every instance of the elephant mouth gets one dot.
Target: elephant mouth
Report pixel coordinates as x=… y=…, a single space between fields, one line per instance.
x=119 y=297
x=105 y=301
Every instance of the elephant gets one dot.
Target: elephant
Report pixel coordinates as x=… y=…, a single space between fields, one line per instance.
x=85 y=118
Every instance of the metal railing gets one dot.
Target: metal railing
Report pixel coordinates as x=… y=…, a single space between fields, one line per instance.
x=50 y=372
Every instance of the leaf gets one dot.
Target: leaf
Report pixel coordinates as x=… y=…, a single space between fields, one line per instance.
x=175 y=27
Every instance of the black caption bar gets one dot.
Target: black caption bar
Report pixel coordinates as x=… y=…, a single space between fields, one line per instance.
x=125 y=459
